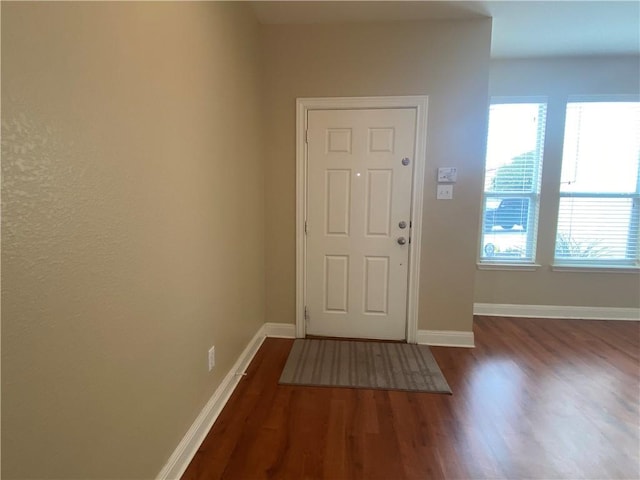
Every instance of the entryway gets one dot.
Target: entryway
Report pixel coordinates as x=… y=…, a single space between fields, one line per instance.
x=360 y=199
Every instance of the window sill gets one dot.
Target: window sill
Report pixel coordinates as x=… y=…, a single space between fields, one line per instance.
x=520 y=267
x=595 y=269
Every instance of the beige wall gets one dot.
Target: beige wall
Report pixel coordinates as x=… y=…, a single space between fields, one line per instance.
x=447 y=60
x=132 y=227
x=556 y=79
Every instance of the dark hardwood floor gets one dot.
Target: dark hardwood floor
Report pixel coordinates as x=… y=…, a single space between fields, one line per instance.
x=534 y=399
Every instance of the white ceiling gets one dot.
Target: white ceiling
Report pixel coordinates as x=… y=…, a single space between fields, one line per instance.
x=520 y=28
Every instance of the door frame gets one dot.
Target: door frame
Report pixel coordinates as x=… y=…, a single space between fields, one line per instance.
x=303 y=106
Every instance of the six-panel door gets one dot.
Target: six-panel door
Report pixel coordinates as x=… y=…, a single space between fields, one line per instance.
x=359 y=192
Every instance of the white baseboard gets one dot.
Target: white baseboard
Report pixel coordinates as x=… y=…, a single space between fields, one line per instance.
x=280 y=330
x=445 y=338
x=188 y=446
x=556 y=311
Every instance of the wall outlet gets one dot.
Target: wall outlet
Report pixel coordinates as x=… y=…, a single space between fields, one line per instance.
x=212 y=358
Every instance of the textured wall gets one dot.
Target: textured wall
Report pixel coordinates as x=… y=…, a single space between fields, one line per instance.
x=132 y=227
x=556 y=79
x=447 y=60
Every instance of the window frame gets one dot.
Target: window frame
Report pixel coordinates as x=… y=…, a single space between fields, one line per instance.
x=595 y=264
x=505 y=262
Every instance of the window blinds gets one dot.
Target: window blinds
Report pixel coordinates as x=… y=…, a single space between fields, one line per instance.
x=599 y=212
x=512 y=181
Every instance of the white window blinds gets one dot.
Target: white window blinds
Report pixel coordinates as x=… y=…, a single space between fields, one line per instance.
x=512 y=182
x=598 y=217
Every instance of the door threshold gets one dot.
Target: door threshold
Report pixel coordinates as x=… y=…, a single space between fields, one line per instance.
x=350 y=339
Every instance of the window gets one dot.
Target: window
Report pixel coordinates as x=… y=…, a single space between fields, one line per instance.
x=600 y=184
x=512 y=182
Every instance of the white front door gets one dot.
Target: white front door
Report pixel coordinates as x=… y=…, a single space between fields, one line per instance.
x=360 y=170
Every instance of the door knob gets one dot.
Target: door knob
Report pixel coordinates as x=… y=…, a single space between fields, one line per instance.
x=402 y=224
x=402 y=240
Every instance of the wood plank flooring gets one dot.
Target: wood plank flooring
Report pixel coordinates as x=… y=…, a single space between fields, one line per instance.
x=534 y=399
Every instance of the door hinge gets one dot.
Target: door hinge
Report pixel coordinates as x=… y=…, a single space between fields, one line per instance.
x=306 y=313
x=305 y=227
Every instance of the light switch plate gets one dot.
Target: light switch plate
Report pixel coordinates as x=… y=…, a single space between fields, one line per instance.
x=447 y=175
x=444 y=192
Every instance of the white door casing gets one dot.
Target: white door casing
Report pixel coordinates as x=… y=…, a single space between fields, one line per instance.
x=353 y=277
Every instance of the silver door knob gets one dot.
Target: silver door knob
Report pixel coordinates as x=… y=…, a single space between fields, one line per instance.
x=402 y=224
x=402 y=240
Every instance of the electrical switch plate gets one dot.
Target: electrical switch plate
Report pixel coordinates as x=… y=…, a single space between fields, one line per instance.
x=447 y=175
x=445 y=192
